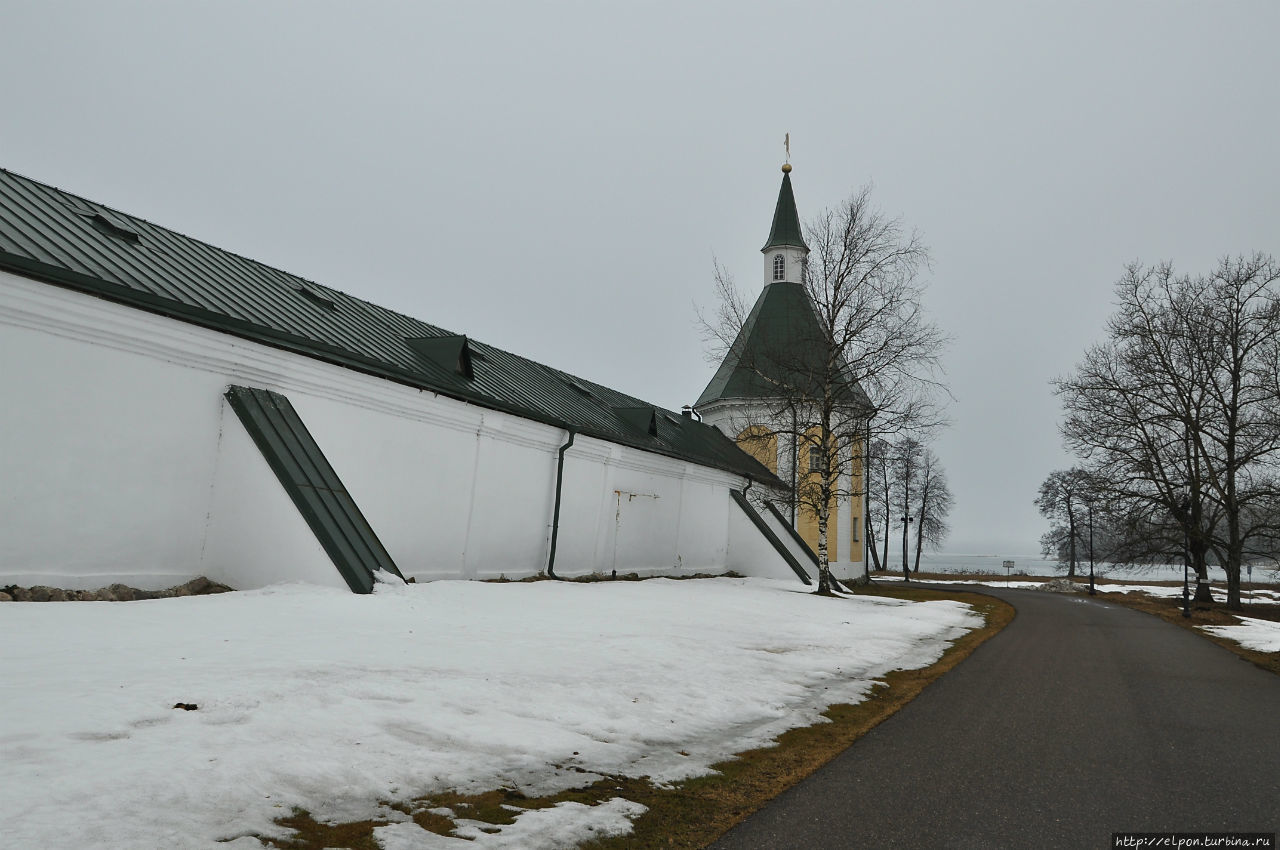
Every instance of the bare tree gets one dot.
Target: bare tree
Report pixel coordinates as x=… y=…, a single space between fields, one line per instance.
x=1061 y=500
x=908 y=460
x=879 y=479
x=933 y=504
x=856 y=356
x=1179 y=410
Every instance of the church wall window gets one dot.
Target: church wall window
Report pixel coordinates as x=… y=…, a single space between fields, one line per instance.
x=779 y=267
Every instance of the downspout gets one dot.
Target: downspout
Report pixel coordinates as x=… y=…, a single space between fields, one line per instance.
x=748 y=487
x=555 y=516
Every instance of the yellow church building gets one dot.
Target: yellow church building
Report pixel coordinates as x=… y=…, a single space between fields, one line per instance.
x=765 y=394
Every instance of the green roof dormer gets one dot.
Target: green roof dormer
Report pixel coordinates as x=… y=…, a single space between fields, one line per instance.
x=786 y=221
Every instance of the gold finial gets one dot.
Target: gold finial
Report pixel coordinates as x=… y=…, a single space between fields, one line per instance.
x=786 y=143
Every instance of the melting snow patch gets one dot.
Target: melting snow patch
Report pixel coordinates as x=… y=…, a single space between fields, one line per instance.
x=335 y=703
x=1258 y=635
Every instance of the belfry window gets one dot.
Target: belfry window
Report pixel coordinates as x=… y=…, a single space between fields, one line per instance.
x=779 y=267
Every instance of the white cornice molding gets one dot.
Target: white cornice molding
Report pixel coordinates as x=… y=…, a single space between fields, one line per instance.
x=85 y=319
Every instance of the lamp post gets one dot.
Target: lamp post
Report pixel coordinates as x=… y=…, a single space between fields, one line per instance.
x=1185 y=505
x=1092 y=589
x=906 y=573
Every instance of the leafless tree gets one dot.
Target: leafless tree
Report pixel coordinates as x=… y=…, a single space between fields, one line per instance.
x=933 y=504
x=1062 y=500
x=879 y=480
x=867 y=364
x=1178 y=411
x=907 y=463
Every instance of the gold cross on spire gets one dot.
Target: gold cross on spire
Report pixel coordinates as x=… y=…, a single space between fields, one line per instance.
x=786 y=143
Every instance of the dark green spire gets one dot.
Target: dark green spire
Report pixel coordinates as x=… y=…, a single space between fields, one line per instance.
x=786 y=221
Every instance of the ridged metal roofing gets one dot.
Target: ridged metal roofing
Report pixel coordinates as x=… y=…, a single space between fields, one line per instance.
x=780 y=352
x=774 y=541
x=60 y=238
x=313 y=485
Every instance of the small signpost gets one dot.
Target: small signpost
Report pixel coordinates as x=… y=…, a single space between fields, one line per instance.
x=1008 y=571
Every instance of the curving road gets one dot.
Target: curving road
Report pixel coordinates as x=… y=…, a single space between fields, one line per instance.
x=1078 y=720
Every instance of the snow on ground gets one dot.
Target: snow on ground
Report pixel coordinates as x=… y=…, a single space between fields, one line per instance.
x=1247 y=593
x=330 y=701
x=1220 y=592
x=1015 y=584
x=1259 y=635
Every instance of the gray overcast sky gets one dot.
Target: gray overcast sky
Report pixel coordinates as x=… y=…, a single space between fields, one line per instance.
x=555 y=178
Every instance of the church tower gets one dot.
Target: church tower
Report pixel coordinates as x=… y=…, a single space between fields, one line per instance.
x=785 y=251
x=780 y=342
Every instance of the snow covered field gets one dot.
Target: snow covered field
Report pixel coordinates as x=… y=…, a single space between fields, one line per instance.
x=332 y=702
x=950 y=562
x=1248 y=593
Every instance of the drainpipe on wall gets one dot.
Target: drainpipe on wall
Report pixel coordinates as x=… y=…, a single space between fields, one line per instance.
x=555 y=516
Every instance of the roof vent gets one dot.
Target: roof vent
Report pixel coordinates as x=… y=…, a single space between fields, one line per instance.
x=452 y=353
x=317 y=297
x=640 y=418
x=110 y=225
x=580 y=387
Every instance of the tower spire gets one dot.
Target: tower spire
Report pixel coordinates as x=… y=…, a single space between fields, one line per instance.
x=786 y=231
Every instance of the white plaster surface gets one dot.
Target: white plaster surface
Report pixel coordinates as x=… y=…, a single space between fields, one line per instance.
x=124 y=463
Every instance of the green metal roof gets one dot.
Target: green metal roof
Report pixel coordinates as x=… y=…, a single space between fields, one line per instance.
x=54 y=236
x=795 y=535
x=774 y=541
x=780 y=352
x=786 y=221
x=311 y=482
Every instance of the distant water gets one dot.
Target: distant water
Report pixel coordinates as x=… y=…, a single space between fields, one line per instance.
x=1034 y=564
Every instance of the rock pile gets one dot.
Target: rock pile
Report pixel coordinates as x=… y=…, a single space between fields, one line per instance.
x=114 y=593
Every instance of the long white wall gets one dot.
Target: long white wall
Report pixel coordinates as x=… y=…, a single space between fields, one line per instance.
x=122 y=461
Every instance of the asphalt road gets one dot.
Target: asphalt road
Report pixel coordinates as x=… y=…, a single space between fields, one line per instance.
x=1078 y=720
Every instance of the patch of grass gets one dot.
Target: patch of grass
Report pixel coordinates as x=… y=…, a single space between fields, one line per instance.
x=310 y=834
x=1205 y=614
x=695 y=812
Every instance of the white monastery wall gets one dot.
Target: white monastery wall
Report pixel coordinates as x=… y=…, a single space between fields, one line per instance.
x=122 y=461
